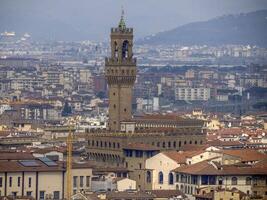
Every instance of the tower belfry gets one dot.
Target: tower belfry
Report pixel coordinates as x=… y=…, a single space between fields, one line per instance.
x=120 y=72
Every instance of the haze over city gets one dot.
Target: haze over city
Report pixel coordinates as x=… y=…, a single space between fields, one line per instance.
x=91 y=19
x=133 y=100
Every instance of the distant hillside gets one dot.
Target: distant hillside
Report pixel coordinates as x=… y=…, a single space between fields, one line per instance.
x=250 y=28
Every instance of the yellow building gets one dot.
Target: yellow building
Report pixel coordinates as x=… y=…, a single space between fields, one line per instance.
x=41 y=178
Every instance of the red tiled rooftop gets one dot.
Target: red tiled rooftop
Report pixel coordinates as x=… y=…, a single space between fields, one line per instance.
x=246 y=155
x=15 y=156
x=180 y=157
x=207 y=168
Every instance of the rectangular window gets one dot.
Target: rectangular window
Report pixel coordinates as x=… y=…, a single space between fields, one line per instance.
x=75 y=181
x=18 y=181
x=30 y=182
x=29 y=194
x=42 y=195
x=81 y=181
x=1 y=182
x=204 y=180
x=10 y=181
x=87 y=181
x=56 y=195
x=177 y=178
x=212 y=180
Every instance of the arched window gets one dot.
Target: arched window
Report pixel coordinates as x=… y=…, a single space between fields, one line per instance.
x=248 y=181
x=170 y=178
x=125 y=47
x=116 y=49
x=148 y=176
x=174 y=144
x=160 y=178
x=234 y=181
x=169 y=144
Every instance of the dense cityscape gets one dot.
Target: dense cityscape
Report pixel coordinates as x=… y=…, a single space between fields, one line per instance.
x=124 y=120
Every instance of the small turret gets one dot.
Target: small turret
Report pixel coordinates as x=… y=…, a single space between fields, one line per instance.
x=122 y=25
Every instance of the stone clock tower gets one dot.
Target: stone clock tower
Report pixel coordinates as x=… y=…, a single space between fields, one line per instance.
x=120 y=72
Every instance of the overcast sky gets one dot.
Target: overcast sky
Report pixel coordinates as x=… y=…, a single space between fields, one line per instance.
x=95 y=17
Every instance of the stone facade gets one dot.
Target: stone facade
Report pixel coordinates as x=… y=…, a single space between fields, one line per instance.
x=108 y=147
x=129 y=142
x=120 y=73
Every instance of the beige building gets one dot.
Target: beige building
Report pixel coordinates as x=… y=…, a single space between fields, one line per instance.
x=207 y=193
x=212 y=174
x=124 y=184
x=213 y=124
x=160 y=167
x=41 y=178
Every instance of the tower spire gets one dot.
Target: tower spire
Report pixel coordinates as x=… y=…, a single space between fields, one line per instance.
x=122 y=24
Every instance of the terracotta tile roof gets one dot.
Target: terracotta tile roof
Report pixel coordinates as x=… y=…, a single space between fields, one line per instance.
x=230 y=131
x=207 y=168
x=159 y=117
x=193 y=147
x=170 y=118
x=211 y=137
x=167 y=194
x=15 y=166
x=130 y=195
x=15 y=156
x=181 y=156
x=220 y=143
x=246 y=155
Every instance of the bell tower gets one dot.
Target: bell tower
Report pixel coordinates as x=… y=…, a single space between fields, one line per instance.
x=120 y=72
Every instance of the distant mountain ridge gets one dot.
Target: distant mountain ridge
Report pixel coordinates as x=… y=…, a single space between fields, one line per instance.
x=243 y=29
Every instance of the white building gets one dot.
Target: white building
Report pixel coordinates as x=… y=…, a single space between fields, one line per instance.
x=192 y=94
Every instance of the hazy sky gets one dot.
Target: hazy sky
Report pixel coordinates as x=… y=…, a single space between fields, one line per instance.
x=93 y=18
